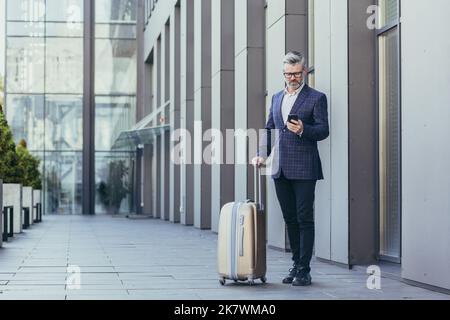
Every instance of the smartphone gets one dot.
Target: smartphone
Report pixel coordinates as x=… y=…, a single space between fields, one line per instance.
x=292 y=117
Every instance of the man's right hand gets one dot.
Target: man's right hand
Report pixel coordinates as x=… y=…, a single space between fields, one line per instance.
x=258 y=162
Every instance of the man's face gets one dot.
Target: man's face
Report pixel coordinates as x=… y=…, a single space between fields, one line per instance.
x=293 y=75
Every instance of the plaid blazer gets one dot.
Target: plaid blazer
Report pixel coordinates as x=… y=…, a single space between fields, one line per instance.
x=298 y=157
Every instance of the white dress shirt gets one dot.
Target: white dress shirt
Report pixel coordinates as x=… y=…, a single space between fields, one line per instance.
x=288 y=102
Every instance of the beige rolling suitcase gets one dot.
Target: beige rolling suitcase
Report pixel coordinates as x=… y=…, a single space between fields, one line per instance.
x=242 y=240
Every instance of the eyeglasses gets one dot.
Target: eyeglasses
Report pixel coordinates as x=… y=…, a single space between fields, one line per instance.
x=289 y=75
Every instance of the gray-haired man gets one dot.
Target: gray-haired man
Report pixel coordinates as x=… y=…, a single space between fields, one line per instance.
x=299 y=162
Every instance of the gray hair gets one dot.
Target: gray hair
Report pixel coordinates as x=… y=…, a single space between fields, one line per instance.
x=294 y=57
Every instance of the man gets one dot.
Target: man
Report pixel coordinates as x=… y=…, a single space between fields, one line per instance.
x=299 y=165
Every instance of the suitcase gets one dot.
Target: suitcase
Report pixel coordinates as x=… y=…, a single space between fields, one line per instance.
x=242 y=240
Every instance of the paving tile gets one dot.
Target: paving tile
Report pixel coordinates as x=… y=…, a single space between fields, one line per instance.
x=155 y=260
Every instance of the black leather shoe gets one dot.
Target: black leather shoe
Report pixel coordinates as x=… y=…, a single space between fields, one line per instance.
x=302 y=279
x=292 y=273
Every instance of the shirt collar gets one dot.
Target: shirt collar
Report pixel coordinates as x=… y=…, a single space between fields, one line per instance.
x=286 y=92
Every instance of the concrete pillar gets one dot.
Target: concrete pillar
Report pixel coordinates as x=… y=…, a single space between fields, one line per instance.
x=249 y=86
x=187 y=108
x=175 y=112
x=202 y=112
x=164 y=138
x=287 y=29
x=222 y=102
x=148 y=180
x=157 y=142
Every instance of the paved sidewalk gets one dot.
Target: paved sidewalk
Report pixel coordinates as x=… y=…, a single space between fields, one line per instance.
x=121 y=258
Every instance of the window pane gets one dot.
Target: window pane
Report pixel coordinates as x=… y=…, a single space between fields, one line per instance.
x=25 y=65
x=64 y=67
x=112 y=115
x=389 y=137
x=64 y=10
x=63 y=182
x=115 y=67
x=388 y=12
x=25 y=115
x=115 y=10
x=64 y=29
x=26 y=29
x=26 y=10
x=114 y=176
x=64 y=123
x=115 y=31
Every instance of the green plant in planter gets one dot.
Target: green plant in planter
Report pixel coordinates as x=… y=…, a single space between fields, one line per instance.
x=112 y=191
x=29 y=165
x=10 y=171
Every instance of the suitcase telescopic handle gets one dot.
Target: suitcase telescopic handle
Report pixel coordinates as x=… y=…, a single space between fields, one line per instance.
x=257 y=186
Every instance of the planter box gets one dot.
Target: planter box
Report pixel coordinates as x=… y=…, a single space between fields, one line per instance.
x=37 y=199
x=12 y=196
x=28 y=202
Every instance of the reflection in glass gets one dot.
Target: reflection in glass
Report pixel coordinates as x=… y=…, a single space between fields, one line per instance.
x=25 y=65
x=388 y=12
x=63 y=182
x=116 y=31
x=112 y=115
x=115 y=66
x=64 y=10
x=389 y=145
x=114 y=181
x=63 y=29
x=115 y=10
x=64 y=122
x=25 y=115
x=26 y=29
x=26 y=10
x=64 y=65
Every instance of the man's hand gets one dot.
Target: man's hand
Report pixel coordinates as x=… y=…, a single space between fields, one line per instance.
x=258 y=162
x=295 y=126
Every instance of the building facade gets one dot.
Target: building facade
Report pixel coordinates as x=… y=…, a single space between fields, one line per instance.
x=70 y=87
x=218 y=63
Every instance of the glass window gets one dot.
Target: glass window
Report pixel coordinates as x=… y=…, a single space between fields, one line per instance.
x=64 y=122
x=64 y=10
x=115 y=66
x=112 y=115
x=26 y=29
x=63 y=182
x=64 y=29
x=114 y=177
x=64 y=65
x=389 y=144
x=115 y=31
x=115 y=11
x=25 y=65
x=25 y=115
x=388 y=12
x=26 y=10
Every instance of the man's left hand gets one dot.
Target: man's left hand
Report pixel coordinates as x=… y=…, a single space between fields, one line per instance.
x=295 y=126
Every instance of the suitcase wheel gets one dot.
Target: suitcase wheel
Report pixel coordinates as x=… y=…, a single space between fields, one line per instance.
x=222 y=281
x=263 y=279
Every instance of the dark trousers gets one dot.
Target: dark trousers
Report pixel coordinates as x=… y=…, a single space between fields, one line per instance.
x=296 y=198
